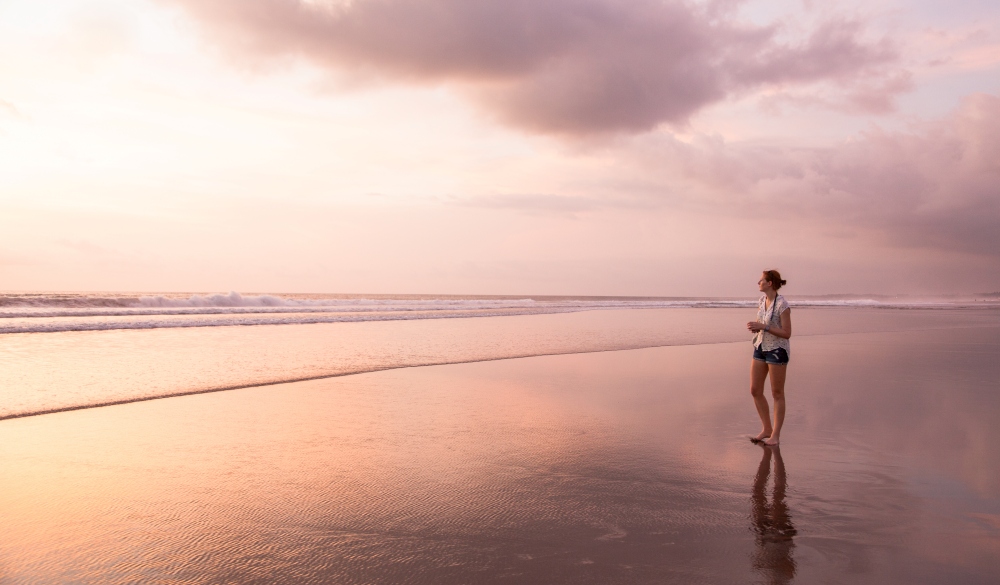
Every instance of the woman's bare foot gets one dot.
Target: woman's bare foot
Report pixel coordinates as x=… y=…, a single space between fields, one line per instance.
x=763 y=435
x=771 y=441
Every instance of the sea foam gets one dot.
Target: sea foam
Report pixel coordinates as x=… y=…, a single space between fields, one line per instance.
x=59 y=312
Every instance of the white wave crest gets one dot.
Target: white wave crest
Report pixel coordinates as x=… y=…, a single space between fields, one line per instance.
x=54 y=312
x=233 y=299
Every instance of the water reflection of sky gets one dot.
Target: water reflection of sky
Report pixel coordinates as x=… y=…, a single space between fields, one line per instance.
x=618 y=467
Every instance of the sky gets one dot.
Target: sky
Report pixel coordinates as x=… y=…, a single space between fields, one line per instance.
x=583 y=147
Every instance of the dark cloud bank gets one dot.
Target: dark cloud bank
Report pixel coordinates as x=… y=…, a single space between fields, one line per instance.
x=578 y=67
x=558 y=66
x=936 y=186
x=939 y=187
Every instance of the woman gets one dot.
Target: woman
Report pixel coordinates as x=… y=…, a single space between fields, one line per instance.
x=771 y=331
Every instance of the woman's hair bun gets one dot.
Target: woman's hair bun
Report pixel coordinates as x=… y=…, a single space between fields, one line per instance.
x=774 y=277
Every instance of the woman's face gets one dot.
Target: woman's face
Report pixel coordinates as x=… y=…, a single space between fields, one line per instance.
x=763 y=284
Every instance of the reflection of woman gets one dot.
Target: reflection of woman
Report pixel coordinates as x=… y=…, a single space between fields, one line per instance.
x=772 y=522
x=771 y=331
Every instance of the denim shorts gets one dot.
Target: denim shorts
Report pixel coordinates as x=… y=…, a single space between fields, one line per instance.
x=778 y=357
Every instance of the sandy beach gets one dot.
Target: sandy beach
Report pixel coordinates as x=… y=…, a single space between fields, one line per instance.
x=452 y=292
x=615 y=467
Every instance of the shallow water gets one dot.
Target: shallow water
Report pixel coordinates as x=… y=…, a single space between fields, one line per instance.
x=618 y=467
x=42 y=372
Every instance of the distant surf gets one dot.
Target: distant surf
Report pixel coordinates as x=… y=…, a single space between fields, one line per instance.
x=58 y=312
x=109 y=354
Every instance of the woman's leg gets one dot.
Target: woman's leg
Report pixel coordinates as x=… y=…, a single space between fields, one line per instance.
x=778 y=393
x=758 y=373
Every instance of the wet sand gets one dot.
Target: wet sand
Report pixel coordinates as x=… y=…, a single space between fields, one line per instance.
x=617 y=467
x=77 y=369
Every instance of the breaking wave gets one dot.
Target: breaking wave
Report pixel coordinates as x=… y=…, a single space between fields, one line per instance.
x=56 y=312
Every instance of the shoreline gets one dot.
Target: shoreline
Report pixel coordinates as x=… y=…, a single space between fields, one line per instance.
x=613 y=467
x=210 y=390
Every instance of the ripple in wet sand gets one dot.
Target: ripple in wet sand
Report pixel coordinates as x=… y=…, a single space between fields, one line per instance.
x=623 y=467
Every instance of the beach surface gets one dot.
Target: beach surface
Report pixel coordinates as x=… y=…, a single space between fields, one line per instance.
x=626 y=466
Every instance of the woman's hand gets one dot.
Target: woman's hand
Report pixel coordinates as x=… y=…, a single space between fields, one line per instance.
x=785 y=331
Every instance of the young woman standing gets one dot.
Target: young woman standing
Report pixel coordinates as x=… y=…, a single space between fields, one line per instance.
x=771 y=330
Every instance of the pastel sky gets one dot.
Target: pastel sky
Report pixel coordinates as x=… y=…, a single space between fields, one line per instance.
x=619 y=147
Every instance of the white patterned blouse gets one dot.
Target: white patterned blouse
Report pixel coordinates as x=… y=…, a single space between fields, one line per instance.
x=772 y=317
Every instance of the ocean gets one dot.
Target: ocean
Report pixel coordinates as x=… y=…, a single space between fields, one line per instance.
x=301 y=439
x=79 y=350
x=199 y=439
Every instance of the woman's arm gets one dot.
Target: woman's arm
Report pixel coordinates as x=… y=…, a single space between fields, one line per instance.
x=784 y=331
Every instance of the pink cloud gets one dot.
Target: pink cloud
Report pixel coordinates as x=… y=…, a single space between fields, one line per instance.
x=936 y=186
x=557 y=66
x=10 y=109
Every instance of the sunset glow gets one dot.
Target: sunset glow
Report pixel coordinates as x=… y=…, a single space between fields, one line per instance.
x=499 y=146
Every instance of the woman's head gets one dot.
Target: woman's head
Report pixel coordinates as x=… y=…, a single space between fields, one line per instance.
x=772 y=277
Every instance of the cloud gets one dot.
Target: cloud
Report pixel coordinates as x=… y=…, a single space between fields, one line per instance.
x=83 y=246
x=547 y=204
x=558 y=66
x=535 y=204
x=935 y=186
x=10 y=109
